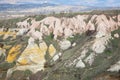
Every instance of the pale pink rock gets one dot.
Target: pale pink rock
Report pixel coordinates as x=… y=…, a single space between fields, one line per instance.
x=35 y=24
x=118 y=17
x=66 y=27
x=23 y=24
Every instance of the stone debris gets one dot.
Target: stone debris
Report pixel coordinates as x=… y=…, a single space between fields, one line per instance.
x=115 y=67
x=83 y=54
x=57 y=56
x=80 y=64
x=116 y=35
x=65 y=44
x=90 y=58
x=74 y=44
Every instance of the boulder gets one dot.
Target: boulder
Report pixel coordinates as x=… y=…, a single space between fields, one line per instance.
x=65 y=44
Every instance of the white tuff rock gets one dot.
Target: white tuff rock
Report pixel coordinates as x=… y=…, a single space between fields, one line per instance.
x=116 y=35
x=80 y=64
x=99 y=44
x=65 y=44
x=90 y=58
x=57 y=56
x=115 y=67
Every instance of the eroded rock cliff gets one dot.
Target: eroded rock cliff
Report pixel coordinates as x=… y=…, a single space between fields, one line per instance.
x=77 y=48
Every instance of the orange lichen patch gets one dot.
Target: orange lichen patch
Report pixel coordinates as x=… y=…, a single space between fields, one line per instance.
x=2 y=33
x=23 y=62
x=14 y=51
x=51 y=50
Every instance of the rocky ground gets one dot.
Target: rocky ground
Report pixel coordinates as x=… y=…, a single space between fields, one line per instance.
x=81 y=47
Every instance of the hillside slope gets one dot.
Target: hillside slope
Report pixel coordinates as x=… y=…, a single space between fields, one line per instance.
x=75 y=48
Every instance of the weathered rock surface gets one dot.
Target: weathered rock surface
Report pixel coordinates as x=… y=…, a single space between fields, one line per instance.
x=77 y=48
x=65 y=44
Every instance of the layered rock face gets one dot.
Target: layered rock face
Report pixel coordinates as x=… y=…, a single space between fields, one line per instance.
x=67 y=27
x=64 y=43
x=102 y=25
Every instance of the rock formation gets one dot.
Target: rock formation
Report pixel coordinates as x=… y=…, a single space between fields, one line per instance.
x=85 y=42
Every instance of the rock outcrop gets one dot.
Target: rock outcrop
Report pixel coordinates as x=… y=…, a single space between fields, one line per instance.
x=63 y=44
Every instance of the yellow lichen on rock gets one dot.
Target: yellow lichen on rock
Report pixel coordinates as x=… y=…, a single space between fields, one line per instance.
x=7 y=46
x=33 y=54
x=2 y=33
x=23 y=62
x=51 y=50
x=14 y=51
x=7 y=34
